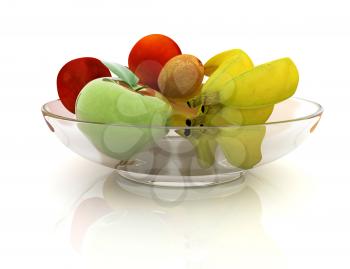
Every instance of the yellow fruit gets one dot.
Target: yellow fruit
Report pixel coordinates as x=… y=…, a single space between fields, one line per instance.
x=213 y=63
x=228 y=68
x=251 y=116
x=266 y=84
x=204 y=144
x=239 y=94
x=227 y=115
x=242 y=145
x=205 y=147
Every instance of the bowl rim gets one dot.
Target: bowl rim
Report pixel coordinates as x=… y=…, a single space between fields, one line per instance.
x=317 y=113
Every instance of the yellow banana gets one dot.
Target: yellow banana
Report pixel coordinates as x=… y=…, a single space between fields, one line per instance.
x=213 y=63
x=227 y=115
x=204 y=144
x=238 y=94
x=242 y=145
x=266 y=84
x=222 y=68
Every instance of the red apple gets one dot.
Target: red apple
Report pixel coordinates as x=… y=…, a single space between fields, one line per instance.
x=74 y=75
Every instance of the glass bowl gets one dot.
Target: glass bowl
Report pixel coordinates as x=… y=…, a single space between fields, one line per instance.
x=186 y=156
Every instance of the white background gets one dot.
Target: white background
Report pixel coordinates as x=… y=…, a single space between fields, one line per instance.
x=303 y=200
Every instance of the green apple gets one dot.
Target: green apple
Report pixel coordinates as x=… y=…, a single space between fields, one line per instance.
x=125 y=121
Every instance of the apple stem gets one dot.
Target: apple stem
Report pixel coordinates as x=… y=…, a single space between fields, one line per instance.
x=139 y=87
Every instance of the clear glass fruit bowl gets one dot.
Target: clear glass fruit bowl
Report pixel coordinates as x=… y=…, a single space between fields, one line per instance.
x=186 y=156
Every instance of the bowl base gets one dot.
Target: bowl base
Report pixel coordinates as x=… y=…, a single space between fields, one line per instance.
x=181 y=181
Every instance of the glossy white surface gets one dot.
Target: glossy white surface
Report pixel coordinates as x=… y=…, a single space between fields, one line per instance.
x=292 y=213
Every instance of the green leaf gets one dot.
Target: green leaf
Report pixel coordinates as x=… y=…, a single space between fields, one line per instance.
x=124 y=73
x=112 y=79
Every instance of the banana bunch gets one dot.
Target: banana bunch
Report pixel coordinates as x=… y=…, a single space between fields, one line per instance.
x=236 y=83
x=238 y=94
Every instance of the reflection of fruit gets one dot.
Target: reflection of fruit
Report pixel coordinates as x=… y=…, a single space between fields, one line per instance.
x=74 y=75
x=221 y=218
x=88 y=211
x=181 y=77
x=107 y=101
x=266 y=84
x=213 y=63
x=149 y=55
x=242 y=145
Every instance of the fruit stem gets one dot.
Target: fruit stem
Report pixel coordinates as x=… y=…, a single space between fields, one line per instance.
x=205 y=100
x=214 y=109
x=197 y=121
x=195 y=102
x=139 y=87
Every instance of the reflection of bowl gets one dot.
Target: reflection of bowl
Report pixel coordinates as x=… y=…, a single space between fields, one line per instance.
x=207 y=227
x=165 y=156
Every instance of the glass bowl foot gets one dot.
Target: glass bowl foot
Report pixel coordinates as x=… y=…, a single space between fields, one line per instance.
x=180 y=180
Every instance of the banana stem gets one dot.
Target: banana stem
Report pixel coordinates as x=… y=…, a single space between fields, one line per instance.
x=195 y=102
x=206 y=100
x=197 y=121
x=201 y=119
x=214 y=109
